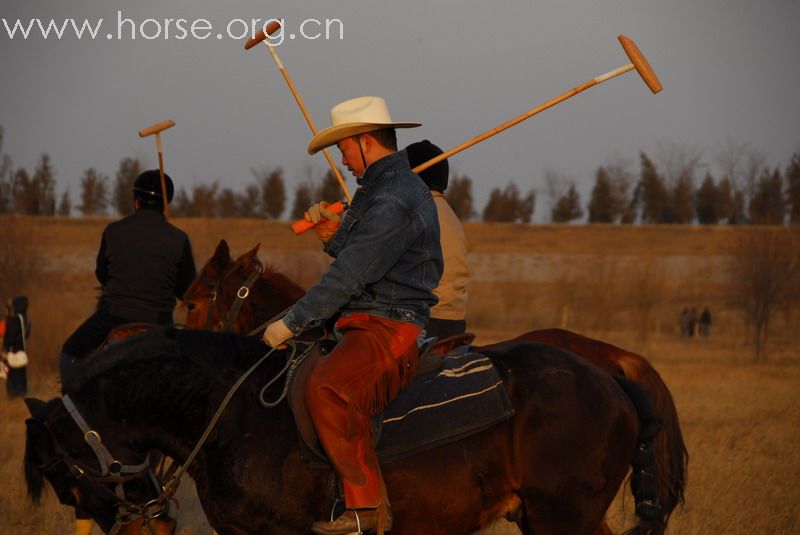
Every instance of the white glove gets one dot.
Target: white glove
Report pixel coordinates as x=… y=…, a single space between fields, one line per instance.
x=277 y=333
x=319 y=211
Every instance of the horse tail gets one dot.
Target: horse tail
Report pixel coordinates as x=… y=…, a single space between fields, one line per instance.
x=666 y=449
x=33 y=475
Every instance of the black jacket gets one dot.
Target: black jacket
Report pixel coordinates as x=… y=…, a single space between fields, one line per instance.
x=144 y=263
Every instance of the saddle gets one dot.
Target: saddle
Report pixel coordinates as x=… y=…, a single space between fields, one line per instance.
x=457 y=393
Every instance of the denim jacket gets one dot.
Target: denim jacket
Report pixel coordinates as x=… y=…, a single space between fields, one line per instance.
x=387 y=256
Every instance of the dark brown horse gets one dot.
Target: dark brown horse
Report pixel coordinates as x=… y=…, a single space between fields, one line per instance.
x=220 y=284
x=209 y=301
x=553 y=468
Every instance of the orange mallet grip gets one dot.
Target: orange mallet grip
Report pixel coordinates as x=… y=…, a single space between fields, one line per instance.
x=299 y=227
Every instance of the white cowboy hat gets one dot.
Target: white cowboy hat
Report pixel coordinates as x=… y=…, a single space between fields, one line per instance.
x=353 y=117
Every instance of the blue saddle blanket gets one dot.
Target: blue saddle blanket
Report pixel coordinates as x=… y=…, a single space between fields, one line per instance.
x=463 y=397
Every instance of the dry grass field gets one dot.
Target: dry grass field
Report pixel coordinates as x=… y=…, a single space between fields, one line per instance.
x=625 y=285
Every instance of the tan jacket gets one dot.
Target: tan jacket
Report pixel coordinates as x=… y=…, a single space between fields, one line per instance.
x=452 y=289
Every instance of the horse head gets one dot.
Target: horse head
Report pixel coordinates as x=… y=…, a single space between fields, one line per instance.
x=56 y=450
x=237 y=294
x=220 y=282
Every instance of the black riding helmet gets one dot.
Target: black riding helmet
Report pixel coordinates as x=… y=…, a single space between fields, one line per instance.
x=147 y=189
x=436 y=176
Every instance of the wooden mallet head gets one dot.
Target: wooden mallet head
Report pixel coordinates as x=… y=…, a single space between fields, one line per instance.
x=156 y=128
x=271 y=28
x=640 y=63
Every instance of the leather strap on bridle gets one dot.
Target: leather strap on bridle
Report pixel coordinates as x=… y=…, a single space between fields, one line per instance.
x=115 y=472
x=241 y=295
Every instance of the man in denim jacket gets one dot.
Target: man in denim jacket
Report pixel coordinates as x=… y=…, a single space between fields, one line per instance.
x=387 y=262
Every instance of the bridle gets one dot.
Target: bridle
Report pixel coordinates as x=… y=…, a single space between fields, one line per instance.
x=241 y=295
x=115 y=472
x=111 y=472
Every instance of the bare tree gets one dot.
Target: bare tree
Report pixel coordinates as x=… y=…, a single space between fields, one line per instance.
x=792 y=175
x=556 y=185
x=741 y=165
x=273 y=191
x=329 y=190
x=302 y=200
x=6 y=181
x=568 y=207
x=459 y=197
x=94 y=193
x=129 y=170
x=65 y=204
x=679 y=164
x=731 y=157
x=765 y=277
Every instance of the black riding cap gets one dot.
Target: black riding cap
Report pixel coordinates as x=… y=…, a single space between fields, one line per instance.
x=436 y=177
x=148 y=186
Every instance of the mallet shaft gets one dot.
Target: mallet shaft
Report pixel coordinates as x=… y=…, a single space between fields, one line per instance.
x=164 y=197
x=309 y=120
x=527 y=115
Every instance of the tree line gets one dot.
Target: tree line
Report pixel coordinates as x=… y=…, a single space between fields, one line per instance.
x=667 y=189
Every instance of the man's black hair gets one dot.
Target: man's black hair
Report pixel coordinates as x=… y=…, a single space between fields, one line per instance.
x=387 y=137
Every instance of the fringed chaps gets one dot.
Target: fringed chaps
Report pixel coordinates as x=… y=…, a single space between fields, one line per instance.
x=374 y=360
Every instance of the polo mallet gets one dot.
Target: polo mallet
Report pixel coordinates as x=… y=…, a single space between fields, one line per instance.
x=149 y=131
x=638 y=62
x=271 y=28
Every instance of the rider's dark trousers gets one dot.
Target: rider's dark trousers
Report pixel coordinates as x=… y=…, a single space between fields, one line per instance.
x=91 y=335
x=374 y=360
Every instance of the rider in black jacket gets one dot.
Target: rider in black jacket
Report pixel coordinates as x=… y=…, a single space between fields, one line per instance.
x=144 y=263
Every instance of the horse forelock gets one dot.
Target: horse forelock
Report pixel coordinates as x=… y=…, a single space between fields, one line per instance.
x=35 y=435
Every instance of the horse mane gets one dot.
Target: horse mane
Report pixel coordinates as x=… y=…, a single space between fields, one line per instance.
x=281 y=284
x=211 y=352
x=172 y=378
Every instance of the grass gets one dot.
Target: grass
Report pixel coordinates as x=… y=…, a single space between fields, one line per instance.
x=741 y=421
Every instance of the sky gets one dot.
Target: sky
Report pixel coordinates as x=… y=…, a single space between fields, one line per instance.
x=729 y=70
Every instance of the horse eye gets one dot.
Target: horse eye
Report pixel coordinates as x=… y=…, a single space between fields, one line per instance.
x=191 y=306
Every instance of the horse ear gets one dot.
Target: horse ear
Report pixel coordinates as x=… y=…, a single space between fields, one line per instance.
x=220 y=260
x=223 y=252
x=37 y=408
x=250 y=258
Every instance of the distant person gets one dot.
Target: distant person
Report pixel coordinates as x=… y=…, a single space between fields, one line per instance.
x=705 y=322
x=143 y=264
x=693 y=319
x=18 y=329
x=684 y=322
x=448 y=317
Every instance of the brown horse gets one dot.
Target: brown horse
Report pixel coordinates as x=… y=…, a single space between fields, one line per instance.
x=553 y=468
x=221 y=283
x=221 y=279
